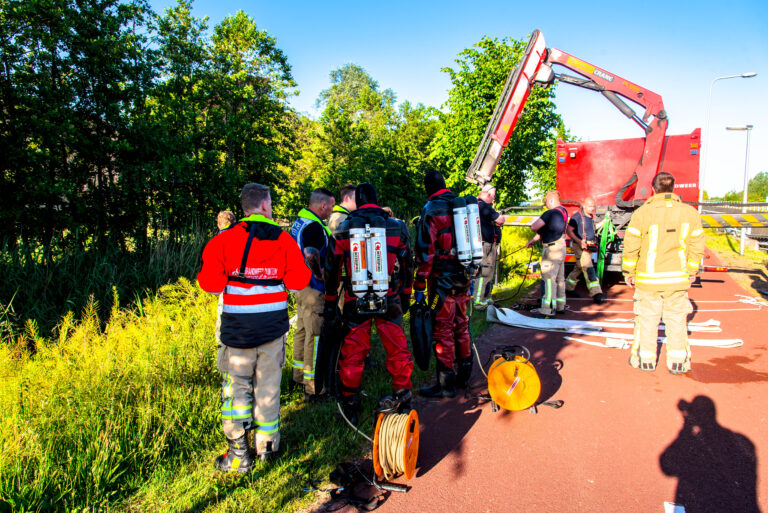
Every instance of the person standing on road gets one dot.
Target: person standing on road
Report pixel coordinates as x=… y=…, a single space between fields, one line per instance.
x=663 y=246
x=250 y=265
x=359 y=313
x=550 y=230
x=313 y=237
x=581 y=229
x=346 y=205
x=490 y=227
x=439 y=267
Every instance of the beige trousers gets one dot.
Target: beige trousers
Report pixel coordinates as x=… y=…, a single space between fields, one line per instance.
x=553 y=277
x=583 y=266
x=651 y=307
x=250 y=391
x=309 y=322
x=484 y=283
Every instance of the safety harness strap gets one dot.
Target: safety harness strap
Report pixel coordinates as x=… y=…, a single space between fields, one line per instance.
x=241 y=278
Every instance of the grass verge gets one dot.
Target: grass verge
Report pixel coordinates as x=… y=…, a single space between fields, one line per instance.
x=750 y=270
x=123 y=414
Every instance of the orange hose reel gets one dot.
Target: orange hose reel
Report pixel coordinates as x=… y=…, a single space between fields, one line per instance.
x=407 y=447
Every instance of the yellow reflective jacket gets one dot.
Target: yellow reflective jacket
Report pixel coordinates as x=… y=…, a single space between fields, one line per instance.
x=663 y=244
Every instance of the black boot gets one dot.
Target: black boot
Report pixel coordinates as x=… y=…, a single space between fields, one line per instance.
x=403 y=396
x=464 y=373
x=598 y=299
x=445 y=386
x=237 y=458
x=350 y=405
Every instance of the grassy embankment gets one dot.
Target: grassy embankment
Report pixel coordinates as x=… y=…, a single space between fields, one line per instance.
x=750 y=270
x=122 y=413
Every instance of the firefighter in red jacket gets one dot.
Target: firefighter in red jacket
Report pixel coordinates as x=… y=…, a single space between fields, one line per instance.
x=252 y=264
x=439 y=267
x=375 y=251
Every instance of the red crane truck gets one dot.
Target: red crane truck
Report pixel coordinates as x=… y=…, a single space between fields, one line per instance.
x=617 y=173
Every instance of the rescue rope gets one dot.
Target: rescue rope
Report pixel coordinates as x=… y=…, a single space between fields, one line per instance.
x=391 y=440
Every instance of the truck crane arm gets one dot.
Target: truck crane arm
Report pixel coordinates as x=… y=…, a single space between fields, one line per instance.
x=536 y=68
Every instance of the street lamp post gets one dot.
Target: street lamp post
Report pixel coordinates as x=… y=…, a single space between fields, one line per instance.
x=705 y=139
x=748 y=129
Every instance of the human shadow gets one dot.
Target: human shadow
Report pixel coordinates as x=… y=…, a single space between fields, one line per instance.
x=443 y=429
x=716 y=468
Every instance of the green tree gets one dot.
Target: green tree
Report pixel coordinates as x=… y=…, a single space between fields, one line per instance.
x=74 y=74
x=758 y=187
x=219 y=114
x=478 y=79
x=363 y=136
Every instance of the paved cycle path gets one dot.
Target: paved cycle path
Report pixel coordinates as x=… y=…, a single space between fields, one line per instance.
x=621 y=441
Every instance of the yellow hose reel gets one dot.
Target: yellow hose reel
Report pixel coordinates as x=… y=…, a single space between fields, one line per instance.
x=513 y=382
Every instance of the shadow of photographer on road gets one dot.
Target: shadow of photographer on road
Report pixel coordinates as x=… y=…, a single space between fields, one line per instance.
x=716 y=468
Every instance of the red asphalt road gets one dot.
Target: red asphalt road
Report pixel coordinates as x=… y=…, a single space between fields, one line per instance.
x=601 y=451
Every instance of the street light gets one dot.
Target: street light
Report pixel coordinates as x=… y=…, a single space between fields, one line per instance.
x=748 y=129
x=705 y=138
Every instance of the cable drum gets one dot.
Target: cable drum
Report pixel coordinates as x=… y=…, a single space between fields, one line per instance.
x=396 y=444
x=513 y=382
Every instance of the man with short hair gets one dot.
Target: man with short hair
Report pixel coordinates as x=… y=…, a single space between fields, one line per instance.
x=581 y=229
x=250 y=265
x=346 y=205
x=490 y=228
x=663 y=246
x=550 y=230
x=313 y=237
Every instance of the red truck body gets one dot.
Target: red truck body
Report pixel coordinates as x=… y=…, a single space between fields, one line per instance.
x=601 y=168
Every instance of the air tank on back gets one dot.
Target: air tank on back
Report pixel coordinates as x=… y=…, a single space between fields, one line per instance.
x=461 y=231
x=475 y=236
x=377 y=255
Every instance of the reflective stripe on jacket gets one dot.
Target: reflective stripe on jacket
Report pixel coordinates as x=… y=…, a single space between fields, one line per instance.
x=254 y=309
x=663 y=244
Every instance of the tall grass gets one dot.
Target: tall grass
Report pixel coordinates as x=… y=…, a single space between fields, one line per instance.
x=119 y=411
x=126 y=417
x=42 y=286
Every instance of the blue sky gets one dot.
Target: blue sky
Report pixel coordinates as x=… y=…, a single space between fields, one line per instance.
x=673 y=48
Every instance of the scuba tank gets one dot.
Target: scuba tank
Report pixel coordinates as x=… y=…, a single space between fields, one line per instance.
x=358 y=257
x=377 y=255
x=475 y=236
x=368 y=260
x=461 y=234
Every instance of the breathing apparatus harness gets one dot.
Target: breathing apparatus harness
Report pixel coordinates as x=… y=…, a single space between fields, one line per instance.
x=368 y=254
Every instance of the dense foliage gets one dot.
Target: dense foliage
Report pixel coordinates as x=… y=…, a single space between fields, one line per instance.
x=478 y=80
x=124 y=130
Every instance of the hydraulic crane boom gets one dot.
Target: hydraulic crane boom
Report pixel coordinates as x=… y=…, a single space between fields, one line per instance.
x=536 y=68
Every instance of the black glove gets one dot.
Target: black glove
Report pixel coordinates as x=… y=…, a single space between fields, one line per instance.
x=405 y=302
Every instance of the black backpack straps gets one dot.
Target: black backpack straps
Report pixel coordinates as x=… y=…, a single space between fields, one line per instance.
x=251 y=235
x=240 y=278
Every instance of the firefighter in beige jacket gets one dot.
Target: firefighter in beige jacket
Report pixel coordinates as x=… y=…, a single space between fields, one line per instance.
x=663 y=246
